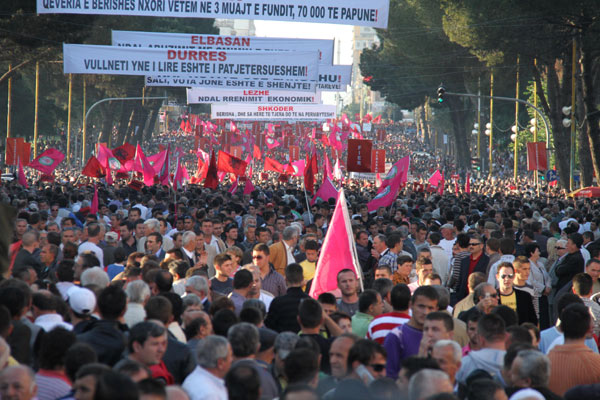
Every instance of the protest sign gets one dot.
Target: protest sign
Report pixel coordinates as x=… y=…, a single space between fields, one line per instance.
x=209 y=95
x=373 y=13
x=284 y=112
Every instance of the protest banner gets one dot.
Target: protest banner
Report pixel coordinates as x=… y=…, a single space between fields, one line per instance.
x=359 y=155
x=334 y=78
x=378 y=161
x=373 y=13
x=223 y=83
x=297 y=66
x=164 y=40
x=207 y=96
x=284 y=112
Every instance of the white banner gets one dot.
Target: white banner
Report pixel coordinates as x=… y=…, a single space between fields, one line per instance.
x=298 y=66
x=334 y=78
x=223 y=83
x=206 y=96
x=372 y=13
x=273 y=112
x=231 y=43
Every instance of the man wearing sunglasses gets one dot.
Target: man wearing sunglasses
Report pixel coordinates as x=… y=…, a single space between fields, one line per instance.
x=520 y=301
x=476 y=262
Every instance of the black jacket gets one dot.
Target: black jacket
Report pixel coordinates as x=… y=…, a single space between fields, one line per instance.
x=107 y=338
x=178 y=359
x=571 y=265
x=481 y=266
x=525 y=310
x=284 y=310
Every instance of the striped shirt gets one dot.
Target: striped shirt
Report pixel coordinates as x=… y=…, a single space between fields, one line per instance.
x=384 y=323
x=51 y=384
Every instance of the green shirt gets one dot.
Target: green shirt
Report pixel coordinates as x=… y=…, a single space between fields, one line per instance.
x=360 y=324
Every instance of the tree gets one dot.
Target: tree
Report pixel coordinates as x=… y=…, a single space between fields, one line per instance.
x=414 y=57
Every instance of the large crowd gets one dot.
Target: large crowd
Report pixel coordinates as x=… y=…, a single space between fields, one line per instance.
x=203 y=294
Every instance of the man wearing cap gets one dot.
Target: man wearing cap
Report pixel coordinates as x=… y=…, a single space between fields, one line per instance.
x=82 y=303
x=112 y=240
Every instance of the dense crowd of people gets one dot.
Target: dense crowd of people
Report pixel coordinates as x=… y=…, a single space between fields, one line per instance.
x=203 y=294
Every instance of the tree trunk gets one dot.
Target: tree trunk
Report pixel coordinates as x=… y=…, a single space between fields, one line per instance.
x=123 y=123
x=107 y=119
x=130 y=135
x=583 y=144
x=152 y=121
x=589 y=105
x=461 y=144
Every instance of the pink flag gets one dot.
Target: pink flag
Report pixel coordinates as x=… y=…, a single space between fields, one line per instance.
x=94 y=206
x=378 y=179
x=435 y=178
x=338 y=251
x=160 y=164
x=221 y=175
x=47 y=161
x=144 y=166
x=180 y=175
x=326 y=191
x=232 y=126
x=21 y=175
x=337 y=171
x=272 y=143
x=388 y=191
x=249 y=188
x=233 y=187
x=298 y=167
x=441 y=185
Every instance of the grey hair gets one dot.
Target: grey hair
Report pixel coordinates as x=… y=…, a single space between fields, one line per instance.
x=425 y=383
x=153 y=224
x=191 y=299
x=210 y=350
x=535 y=366
x=137 y=291
x=198 y=282
x=187 y=237
x=244 y=339
x=289 y=232
x=456 y=350
x=479 y=290
x=27 y=369
x=95 y=276
x=248 y=226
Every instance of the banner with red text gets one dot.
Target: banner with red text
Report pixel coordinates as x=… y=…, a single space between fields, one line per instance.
x=373 y=13
x=299 y=66
x=283 y=112
x=334 y=78
x=227 y=83
x=359 y=155
x=164 y=40
x=378 y=161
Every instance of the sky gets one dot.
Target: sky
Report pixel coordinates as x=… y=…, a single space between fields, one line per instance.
x=306 y=30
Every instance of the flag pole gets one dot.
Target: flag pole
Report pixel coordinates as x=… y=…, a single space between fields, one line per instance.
x=310 y=216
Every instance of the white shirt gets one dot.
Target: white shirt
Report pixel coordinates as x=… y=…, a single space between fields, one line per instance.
x=290 y=254
x=585 y=254
x=50 y=321
x=202 y=385
x=89 y=246
x=266 y=298
x=447 y=246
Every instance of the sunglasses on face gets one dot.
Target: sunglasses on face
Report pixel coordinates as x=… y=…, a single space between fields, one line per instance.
x=560 y=248
x=474 y=244
x=507 y=276
x=377 y=367
x=257 y=257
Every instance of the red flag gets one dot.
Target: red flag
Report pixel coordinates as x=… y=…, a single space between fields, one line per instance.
x=249 y=187
x=233 y=187
x=47 y=161
x=436 y=178
x=212 y=179
x=273 y=165
x=180 y=175
x=143 y=164
x=21 y=175
x=377 y=119
x=229 y=163
x=256 y=153
x=359 y=155
x=393 y=181
x=272 y=143
x=468 y=183
x=17 y=148
x=338 y=251
x=93 y=168
x=441 y=185
x=310 y=170
x=124 y=153
x=94 y=206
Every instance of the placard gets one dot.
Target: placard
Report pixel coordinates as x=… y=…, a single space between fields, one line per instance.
x=373 y=13
x=164 y=40
x=294 y=153
x=276 y=112
x=359 y=155
x=209 y=95
x=378 y=161
x=297 y=66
